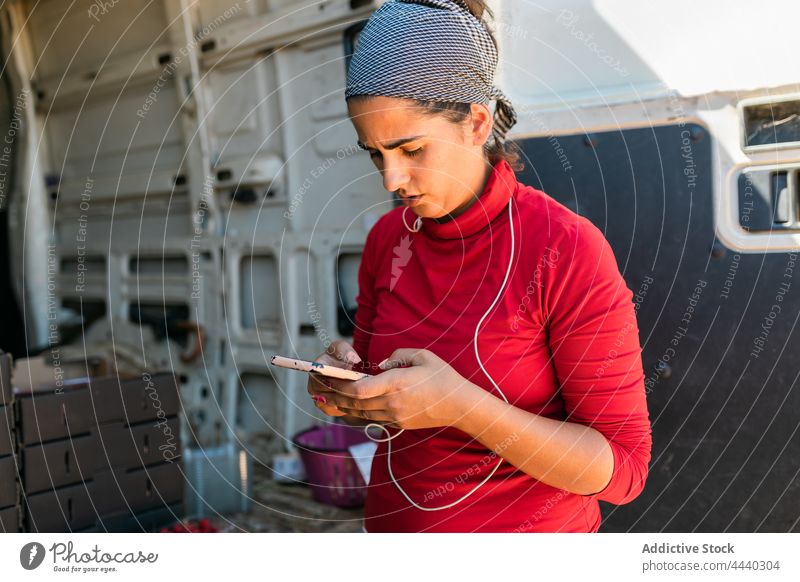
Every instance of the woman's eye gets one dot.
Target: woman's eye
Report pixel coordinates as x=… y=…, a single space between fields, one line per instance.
x=374 y=154
x=413 y=153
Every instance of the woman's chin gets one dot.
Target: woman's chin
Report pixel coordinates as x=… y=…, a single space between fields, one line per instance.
x=422 y=209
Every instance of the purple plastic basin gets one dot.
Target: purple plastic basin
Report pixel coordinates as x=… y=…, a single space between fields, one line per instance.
x=331 y=471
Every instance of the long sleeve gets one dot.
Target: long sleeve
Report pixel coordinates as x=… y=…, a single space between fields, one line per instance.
x=594 y=340
x=365 y=299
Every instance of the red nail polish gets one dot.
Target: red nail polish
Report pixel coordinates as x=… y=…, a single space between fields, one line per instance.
x=319 y=399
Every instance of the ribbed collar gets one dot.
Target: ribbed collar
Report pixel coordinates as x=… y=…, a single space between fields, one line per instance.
x=495 y=196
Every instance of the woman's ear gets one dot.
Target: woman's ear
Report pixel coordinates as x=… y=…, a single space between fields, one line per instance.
x=481 y=123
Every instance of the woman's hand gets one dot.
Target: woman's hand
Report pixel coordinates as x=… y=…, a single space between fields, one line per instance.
x=340 y=354
x=428 y=393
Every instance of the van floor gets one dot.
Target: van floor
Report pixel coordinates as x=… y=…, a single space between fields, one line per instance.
x=279 y=507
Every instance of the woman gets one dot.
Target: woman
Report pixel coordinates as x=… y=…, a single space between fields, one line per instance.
x=510 y=389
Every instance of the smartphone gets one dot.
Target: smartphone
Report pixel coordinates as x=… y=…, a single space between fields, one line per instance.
x=317 y=368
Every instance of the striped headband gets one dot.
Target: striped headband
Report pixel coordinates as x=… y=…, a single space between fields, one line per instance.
x=429 y=50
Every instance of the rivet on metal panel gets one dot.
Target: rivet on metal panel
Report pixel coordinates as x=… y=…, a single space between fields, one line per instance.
x=663 y=369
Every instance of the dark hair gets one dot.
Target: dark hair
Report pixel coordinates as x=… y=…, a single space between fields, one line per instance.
x=478 y=8
x=460 y=112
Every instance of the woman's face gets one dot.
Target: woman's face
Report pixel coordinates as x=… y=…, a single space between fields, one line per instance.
x=435 y=166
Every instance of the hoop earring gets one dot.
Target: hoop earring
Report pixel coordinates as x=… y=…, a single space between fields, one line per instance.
x=417 y=223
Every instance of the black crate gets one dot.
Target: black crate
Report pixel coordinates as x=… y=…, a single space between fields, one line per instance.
x=5 y=378
x=6 y=430
x=9 y=520
x=65 y=509
x=140 y=490
x=8 y=481
x=109 y=495
x=107 y=447
x=136 y=400
x=139 y=445
x=48 y=414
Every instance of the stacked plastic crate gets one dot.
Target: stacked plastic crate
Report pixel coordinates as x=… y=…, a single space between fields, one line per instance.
x=9 y=498
x=101 y=454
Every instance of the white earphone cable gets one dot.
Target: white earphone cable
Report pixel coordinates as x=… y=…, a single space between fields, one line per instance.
x=388 y=440
x=417 y=223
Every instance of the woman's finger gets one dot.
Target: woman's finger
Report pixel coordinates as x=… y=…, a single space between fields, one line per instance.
x=339 y=354
x=327 y=408
x=318 y=384
x=337 y=385
x=371 y=415
x=343 y=352
x=345 y=402
x=354 y=420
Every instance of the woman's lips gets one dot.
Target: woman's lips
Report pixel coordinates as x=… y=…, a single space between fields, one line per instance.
x=411 y=200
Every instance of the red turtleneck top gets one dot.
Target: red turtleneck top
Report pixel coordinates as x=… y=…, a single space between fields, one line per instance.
x=561 y=342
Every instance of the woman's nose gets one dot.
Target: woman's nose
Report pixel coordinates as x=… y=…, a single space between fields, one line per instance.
x=395 y=176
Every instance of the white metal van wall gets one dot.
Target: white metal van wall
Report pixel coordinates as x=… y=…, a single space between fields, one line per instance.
x=202 y=180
